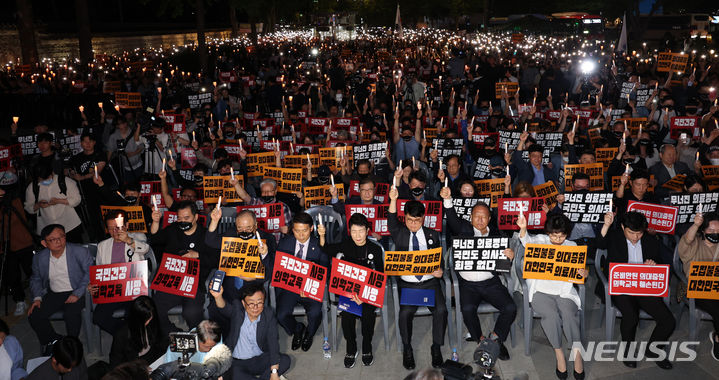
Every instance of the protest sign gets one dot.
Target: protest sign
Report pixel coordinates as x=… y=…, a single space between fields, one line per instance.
x=5 y=160
x=548 y=191
x=492 y=188
x=463 y=206
x=197 y=100
x=320 y=195
x=412 y=263
x=169 y=217
x=135 y=221
x=347 y=279
x=685 y=124
x=147 y=188
x=299 y=161
x=605 y=156
x=374 y=152
x=448 y=147
x=660 y=218
x=688 y=205
x=299 y=276
x=177 y=275
x=70 y=146
x=594 y=171
x=332 y=156
x=111 y=87
x=241 y=258
x=375 y=214
x=509 y=139
x=586 y=207
x=481 y=168
x=480 y=254
x=554 y=262
x=119 y=282
x=479 y=137
x=270 y=216
x=676 y=183
x=595 y=134
x=291 y=180
x=128 y=99
x=256 y=162
x=381 y=191
x=215 y=186
x=432 y=213
x=531 y=208
x=633 y=124
x=638 y=280
x=28 y=143
x=703 y=280
x=510 y=88
x=175 y=123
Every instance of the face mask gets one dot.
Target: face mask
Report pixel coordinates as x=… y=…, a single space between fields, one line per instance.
x=489 y=152
x=131 y=200
x=653 y=134
x=183 y=226
x=498 y=172
x=267 y=198
x=323 y=180
x=628 y=161
x=228 y=135
x=46 y=182
x=406 y=138
x=714 y=161
x=645 y=142
x=618 y=134
x=363 y=175
x=417 y=191
x=565 y=159
x=245 y=235
x=198 y=180
x=712 y=238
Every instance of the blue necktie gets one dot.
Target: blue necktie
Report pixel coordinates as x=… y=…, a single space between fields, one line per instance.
x=415 y=247
x=299 y=251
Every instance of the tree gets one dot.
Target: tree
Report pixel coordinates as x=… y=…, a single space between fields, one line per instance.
x=26 y=32
x=84 y=36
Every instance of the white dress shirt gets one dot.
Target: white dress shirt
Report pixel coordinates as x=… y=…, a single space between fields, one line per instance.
x=58 y=274
x=477 y=275
x=634 y=253
x=304 y=248
x=422 y=246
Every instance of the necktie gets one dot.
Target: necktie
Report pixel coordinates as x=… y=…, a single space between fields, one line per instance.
x=299 y=251
x=415 y=247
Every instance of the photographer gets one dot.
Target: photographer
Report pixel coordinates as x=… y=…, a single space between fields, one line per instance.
x=209 y=334
x=126 y=149
x=156 y=142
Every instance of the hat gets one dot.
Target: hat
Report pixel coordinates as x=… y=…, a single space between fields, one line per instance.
x=324 y=171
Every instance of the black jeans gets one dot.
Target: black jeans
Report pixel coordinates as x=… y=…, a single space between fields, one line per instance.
x=494 y=293
x=102 y=316
x=17 y=260
x=711 y=307
x=52 y=303
x=367 y=321
x=654 y=306
x=286 y=302
x=193 y=309
x=250 y=369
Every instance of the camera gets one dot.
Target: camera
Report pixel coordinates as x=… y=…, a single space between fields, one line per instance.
x=485 y=356
x=215 y=363
x=184 y=343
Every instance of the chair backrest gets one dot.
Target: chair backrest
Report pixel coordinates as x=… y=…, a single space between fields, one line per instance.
x=600 y=257
x=333 y=221
x=679 y=266
x=92 y=247
x=34 y=363
x=152 y=265
x=226 y=223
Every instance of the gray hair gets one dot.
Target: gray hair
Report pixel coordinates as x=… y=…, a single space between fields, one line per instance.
x=270 y=181
x=208 y=330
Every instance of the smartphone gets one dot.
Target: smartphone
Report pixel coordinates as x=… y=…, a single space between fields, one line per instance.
x=683 y=138
x=217 y=279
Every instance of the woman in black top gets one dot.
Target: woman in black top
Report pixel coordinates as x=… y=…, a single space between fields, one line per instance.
x=357 y=250
x=140 y=337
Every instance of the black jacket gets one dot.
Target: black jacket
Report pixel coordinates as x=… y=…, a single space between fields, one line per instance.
x=214 y=240
x=617 y=251
x=267 y=338
x=400 y=234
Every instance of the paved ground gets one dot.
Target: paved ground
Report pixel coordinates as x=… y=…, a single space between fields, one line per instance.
x=388 y=364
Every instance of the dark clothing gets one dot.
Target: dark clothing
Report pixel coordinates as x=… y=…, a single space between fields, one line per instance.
x=492 y=291
x=439 y=312
x=257 y=367
x=102 y=316
x=52 y=303
x=45 y=372
x=124 y=349
x=525 y=172
x=711 y=307
x=82 y=163
x=193 y=309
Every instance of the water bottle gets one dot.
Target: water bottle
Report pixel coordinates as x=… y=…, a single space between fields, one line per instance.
x=455 y=355
x=326 y=349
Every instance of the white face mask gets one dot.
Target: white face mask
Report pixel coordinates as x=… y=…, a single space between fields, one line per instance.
x=714 y=161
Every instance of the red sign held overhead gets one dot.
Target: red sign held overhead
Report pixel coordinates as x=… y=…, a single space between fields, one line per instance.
x=660 y=218
x=639 y=280
x=432 y=213
x=270 y=217
x=684 y=124
x=177 y=275
x=119 y=282
x=299 y=276
x=509 y=209
x=376 y=215
x=348 y=279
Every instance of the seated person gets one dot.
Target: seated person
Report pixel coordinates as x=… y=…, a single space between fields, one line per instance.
x=60 y=274
x=10 y=355
x=140 y=337
x=120 y=247
x=253 y=338
x=208 y=335
x=65 y=363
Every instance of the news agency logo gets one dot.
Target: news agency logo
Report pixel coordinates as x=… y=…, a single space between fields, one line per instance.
x=608 y=351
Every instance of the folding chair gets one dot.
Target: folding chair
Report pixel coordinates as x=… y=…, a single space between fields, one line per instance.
x=695 y=315
x=333 y=221
x=483 y=308
x=528 y=314
x=611 y=312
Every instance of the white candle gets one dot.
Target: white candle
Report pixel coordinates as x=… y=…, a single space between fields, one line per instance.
x=400 y=164
x=332 y=178
x=15 y=119
x=413 y=163
x=700 y=208
x=232 y=174
x=219 y=202
x=154 y=202
x=95 y=170
x=610 y=204
x=308 y=158
x=163 y=163
x=319 y=219
x=525 y=127
x=259 y=241
x=99 y=105
x=119 y=221
x=626 y=169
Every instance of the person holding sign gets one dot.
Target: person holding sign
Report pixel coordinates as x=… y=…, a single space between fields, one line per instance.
x=631 y=244
x=556 y=302
x=60 y=275
x=302 y=244
x=120 y=247
x=413 y=236
x=476 y=287
x=701 y=243
x=253 y=338
x=357 y=250
x=668 y=168
x=186 y=238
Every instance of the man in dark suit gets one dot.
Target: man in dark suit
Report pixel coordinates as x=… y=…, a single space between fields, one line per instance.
x=534 y=171
x=476 y=286
x=630 y=244
x=253 y=336
x=60 y=274
x=413 y=236
x=666 y=169
x=307 y=247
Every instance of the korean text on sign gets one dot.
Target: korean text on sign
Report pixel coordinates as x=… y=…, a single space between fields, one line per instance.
x=299 y=276
x=270 y=217
x=241 y=258
x=119 y=282
x=412 y=263
x=639 y=279
x=554 y=262
x=347 y=279
x=480 y=254
x=177 y=275
x=704 y=280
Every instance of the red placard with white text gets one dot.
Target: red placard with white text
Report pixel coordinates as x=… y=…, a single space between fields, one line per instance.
x=270 y=217
x=639 y=280
x=177 y=275
x=376 y=215
x=347 y=279
x=147 y=188
x=119 y=282
x=660 y=218
x=296 y=275
x=684 y=124
x=169 y=217
x=508 y=212
x=432 y=213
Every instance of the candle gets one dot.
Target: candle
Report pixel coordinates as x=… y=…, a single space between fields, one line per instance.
x=219 y=202
x=154 y=202
x=440 y=164
x=308 y=158
x=626 y=169
x=159 y=90
x=15 y=119
x=525 y=127
x=550 y=92
x=332 y=178
x=117 y=108
x=119 y=221
x=639 y=135
x=610 y=204
x=163 y=164
x=95 y=170
x=446 y=182
x=435 y=143
x=400 y=164
x=82 y=109
x=697 y=159
x=241 y=148
x=574 y=127
x=394 y=182
x=193 y=136
x=99 y=105
x=232 y=174
x=700 y=208
x=319 y=219
x=506 y=147
x=259 y=241
x=507 y=170
x=413 y=163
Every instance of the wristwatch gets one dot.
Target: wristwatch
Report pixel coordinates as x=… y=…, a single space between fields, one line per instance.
x=274 y=370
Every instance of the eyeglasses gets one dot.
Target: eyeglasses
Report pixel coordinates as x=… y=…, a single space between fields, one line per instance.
x=55 y=240
x=254 y=305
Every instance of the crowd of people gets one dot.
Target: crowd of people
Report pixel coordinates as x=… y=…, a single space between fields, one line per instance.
x=293 y=95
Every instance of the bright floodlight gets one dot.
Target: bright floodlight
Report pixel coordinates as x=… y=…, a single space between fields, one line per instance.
x=314 y=51
x=587 y=67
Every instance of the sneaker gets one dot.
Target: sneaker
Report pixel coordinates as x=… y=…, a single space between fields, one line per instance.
x=367 y=359
x=350 y=360
x=20 y=308
x=715 y=345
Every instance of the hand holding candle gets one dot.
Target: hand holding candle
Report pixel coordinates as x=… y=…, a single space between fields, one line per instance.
x=119 y=221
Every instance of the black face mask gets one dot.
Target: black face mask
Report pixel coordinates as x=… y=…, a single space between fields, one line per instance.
x=417 y=191
x=498 y=172
x=323 y=180
x=267 y=198
x=618 y=134
x=628 y=161
x=653 y=134
x=183 y=226
x=228 y=135
x=406 y=138
x=712 y=238
x=645 y=142
x=363 y=175
x=489 y=152
x=131 y=200
x=197 y=180
x=245 y=235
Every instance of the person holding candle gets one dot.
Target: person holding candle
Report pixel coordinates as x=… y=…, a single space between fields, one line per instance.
x=124 y=151
x=638 y=190
x=60 y=275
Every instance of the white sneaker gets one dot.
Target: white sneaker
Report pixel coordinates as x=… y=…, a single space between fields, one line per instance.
x=19 y=309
